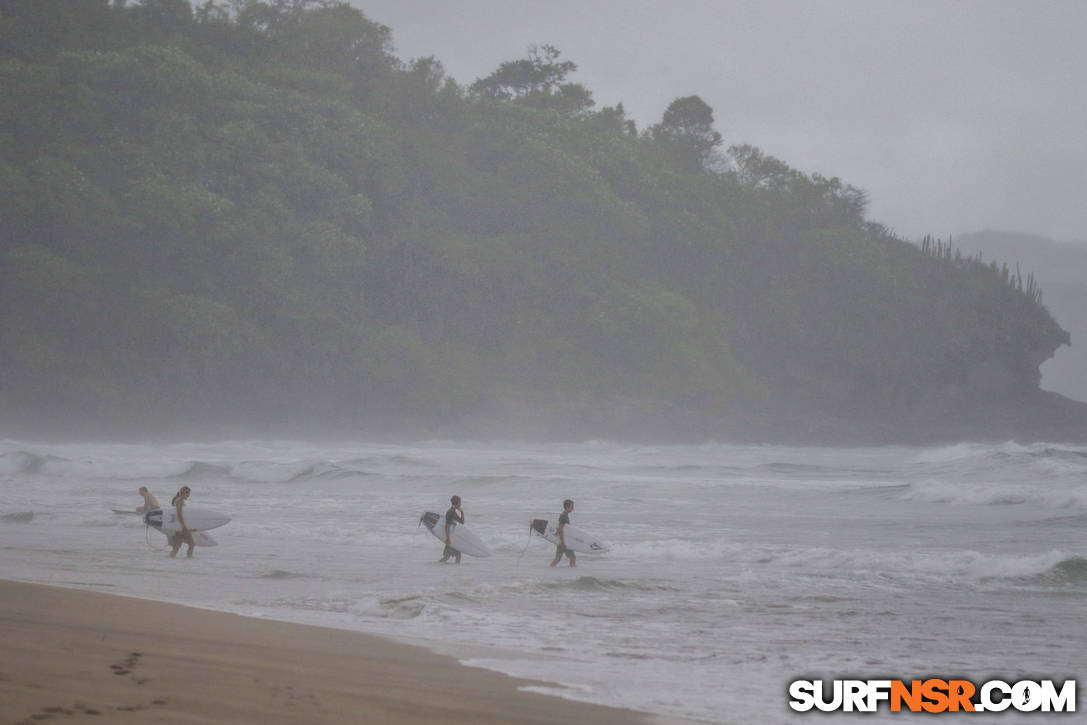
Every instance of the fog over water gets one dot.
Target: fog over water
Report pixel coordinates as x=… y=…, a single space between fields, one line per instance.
x=954 y=117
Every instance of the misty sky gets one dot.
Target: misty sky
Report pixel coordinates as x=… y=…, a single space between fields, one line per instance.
x=954 y=116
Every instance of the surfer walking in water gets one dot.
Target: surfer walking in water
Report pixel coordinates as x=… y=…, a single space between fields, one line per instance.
x=183 y=536
x=149 y=501
x=455 y=515
x=560 y=548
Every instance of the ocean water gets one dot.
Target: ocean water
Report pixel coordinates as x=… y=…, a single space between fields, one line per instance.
x=734 y=569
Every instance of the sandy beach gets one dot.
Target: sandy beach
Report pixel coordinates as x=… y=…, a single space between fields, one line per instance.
x=78 y=656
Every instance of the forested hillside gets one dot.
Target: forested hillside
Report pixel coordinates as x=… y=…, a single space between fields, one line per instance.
x=253 y=211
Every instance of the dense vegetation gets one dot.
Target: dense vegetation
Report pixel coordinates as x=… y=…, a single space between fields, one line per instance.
x=1061 y=269
x=254 y=209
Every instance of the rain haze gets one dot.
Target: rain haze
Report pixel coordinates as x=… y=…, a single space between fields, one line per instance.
x=324 y=298
x=952 y=116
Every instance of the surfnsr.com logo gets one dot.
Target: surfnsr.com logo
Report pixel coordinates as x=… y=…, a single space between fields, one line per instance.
x=932 y=696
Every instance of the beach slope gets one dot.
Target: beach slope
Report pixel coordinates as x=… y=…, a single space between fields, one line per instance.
x=78 y=656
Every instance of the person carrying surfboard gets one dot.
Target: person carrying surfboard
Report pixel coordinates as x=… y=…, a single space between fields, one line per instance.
x=455 y=515
x=560 y=548
x=149 y=501
x=183 y=536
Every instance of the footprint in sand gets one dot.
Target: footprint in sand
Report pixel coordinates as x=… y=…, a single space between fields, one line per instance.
x=128 y=665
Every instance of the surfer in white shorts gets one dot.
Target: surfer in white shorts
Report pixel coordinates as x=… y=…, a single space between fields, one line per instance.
x=560 y=549
x=455 y=515
x=183 y=536
x=149 y=501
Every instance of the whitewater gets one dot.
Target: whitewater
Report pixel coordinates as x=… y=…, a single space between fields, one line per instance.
x=733 y=570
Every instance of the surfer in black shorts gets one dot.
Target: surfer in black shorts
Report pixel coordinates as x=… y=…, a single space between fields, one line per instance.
x=455 y=515
x=560 y=549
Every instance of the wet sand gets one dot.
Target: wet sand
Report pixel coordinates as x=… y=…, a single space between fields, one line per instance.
x=76 y=656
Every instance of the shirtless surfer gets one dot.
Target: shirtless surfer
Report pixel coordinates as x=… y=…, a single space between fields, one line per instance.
x=149 y=501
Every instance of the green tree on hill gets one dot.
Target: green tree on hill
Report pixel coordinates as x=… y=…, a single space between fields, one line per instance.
x=687 y=127
x=538 y=81
x=253 y=210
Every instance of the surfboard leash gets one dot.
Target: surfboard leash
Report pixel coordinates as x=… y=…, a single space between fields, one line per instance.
x=147 y=538
x=527 y=543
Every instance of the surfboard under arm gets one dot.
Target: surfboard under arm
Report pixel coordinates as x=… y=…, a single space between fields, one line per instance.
x=577 y=540
x=460 y=538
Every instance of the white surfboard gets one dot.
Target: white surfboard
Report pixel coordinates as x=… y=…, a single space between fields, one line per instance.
x=580 y=541
x=197 y=519
x=460 y=538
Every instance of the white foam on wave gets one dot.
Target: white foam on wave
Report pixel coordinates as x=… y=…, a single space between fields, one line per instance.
x=270 y=471
x=77 y=462
x=683 y=549
x=957 y=565
x=960 y=452
x=14 y=462
x=986 y=457
x=1053 y=494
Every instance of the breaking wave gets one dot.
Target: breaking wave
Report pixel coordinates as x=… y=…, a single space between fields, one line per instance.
x=1072 y=570
x=16 y=462
x=960 y=565
x=162 y=468
x=1054 y=494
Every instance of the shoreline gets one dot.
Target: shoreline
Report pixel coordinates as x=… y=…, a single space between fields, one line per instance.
x=95 y=656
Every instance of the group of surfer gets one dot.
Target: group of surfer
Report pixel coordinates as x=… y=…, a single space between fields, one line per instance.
x=455 y=515
x=177 y=538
